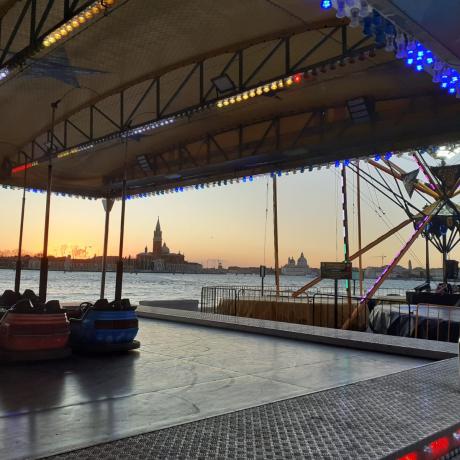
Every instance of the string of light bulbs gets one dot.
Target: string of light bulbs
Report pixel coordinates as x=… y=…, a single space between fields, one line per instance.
x=74 y=23
x=393 y=39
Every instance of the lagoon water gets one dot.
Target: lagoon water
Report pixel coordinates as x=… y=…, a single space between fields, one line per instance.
x=84 y=286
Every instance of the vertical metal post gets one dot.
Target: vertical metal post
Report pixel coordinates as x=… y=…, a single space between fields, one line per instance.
x=346 y=250
x=275 y=235
x=108 y=204
x=43 y=283
x=336 y=304
x=427 y=259
x=17 y=278
x=119 y=275
x=444 y=257
x=358 y=179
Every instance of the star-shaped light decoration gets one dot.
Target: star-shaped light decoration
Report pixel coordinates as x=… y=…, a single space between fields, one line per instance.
x=57 y=66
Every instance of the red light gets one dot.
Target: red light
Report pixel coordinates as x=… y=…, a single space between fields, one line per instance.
x=439 y=446
x=410 y=456
x=21 y=167
x=297 y=78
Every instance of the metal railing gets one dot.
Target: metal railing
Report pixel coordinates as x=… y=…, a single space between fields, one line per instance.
x=387 y=313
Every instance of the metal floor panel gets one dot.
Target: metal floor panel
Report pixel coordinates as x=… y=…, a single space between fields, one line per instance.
x=365 y=420
x=406 y=346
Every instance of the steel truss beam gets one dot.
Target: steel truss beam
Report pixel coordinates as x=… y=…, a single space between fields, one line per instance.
x=32 y=25
x=207 y=158
x=192 y=90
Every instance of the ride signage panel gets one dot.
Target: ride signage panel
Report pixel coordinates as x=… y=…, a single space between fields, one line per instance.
x=336 y=270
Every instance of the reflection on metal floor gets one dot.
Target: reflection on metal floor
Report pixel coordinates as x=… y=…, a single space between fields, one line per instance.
x=183 y=373
x=366 y=420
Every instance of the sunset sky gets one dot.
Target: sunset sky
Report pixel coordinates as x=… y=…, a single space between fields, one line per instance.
x=222 y=223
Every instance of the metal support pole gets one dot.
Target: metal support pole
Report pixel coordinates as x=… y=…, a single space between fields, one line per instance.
x=119 y=276
x=336 y=304
x=427 y=260
x=108 y=204
x=360 y=260
x=444 y=258
x=346 y=250
x=275 y=235
x=17 y=278
x=43 y=284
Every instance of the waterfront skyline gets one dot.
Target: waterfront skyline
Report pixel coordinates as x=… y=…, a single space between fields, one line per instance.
x=222 y=223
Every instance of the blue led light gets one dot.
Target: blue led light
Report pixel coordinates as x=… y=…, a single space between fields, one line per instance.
x=410 y=61
x=346 y=162
x=326 y=4
x=378 y=157
x=388 y=155
x=181 y=189
x=279 y=173
x=419 y=67
x=337 y=163
x=251 y=179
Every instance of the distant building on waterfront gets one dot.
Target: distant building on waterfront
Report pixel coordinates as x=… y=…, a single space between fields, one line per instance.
x=292 y=268
x=162 y=260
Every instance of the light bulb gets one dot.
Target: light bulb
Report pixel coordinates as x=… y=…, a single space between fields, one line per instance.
x=46 y=43
x=266 y=89
x=252 y=93
x=75 y=23
x=354 y=17
x=81 y=19
x=259 y=91
x=68 y=27
x=340 y=9
x=365 y=9
x=88 y=14
x=245 y=96
x=389 y=43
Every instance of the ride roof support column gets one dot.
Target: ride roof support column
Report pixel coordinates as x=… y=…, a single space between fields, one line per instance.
x=43 y=283
x=108 y=205
x=275 y=235
x=17 y=277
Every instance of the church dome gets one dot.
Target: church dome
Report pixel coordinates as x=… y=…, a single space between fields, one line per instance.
x=164 y=249
x=302 y=261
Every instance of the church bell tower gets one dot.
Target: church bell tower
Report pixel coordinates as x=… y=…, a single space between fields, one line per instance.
x=157 y=239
